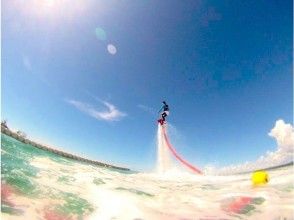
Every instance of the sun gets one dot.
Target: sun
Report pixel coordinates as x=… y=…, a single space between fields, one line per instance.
x=49 y=3
x=54 y=10
x=47 y=8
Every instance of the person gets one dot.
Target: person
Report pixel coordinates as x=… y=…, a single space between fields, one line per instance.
x=165 y=112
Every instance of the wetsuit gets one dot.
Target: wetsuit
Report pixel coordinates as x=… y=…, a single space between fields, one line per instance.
x=165 y=111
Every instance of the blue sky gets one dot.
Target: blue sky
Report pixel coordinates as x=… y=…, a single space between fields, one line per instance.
x=90 y=76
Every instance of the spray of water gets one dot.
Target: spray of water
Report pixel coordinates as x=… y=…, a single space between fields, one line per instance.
x=163 y=155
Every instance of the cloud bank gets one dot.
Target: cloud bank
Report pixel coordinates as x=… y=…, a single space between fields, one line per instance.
x=284 y=135
x=110 y=114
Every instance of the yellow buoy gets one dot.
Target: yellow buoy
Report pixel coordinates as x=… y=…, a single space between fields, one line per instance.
x=259 y=177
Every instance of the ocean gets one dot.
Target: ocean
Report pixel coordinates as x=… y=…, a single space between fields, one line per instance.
x=37 y=184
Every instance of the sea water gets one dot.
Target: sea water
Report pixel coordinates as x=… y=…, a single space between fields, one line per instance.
x=41 y=185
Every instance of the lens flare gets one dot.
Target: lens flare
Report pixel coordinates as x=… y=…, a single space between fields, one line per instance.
x=111 y=49
x=100 y=34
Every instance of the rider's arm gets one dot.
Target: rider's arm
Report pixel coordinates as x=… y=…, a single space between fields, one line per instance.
x=160 y=109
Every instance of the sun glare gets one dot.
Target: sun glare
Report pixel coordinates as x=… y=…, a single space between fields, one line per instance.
x=49 y=3
x=51 y=8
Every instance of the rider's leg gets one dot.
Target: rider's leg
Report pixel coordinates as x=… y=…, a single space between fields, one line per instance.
x=163 y=115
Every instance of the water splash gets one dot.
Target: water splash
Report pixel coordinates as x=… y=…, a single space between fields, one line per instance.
x=163 y=155
x=76 y=190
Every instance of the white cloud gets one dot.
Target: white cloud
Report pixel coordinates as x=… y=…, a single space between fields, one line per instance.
x=146 y=109
x=284 y=135
x=111 y=114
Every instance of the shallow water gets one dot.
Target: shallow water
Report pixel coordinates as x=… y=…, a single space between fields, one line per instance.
x=41 y=185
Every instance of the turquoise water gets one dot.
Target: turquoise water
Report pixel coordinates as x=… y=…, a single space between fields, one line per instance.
x=21 y=179
x=41 y=185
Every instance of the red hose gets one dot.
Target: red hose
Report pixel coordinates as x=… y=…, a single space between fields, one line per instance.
x=176 y=154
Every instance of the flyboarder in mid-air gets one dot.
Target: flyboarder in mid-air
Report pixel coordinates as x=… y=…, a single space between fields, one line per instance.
x=164 y=112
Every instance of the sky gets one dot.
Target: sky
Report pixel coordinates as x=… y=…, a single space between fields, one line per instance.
x=89 y=77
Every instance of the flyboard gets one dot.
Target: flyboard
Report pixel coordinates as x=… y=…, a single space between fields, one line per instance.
x=174 y=152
